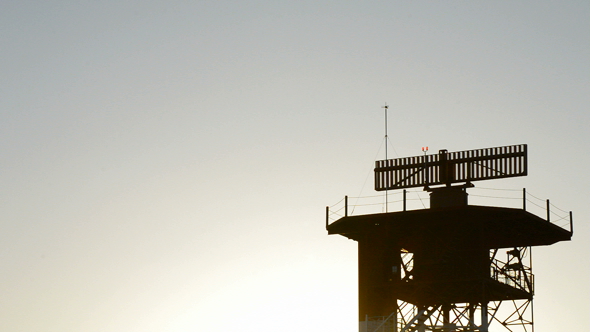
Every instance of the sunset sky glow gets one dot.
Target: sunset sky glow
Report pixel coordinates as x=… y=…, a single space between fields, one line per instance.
x=166 y=164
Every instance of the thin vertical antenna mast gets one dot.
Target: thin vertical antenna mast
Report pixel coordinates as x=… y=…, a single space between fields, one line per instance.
x=386 y=139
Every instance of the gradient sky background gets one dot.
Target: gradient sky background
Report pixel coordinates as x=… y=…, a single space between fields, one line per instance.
x=165 y=165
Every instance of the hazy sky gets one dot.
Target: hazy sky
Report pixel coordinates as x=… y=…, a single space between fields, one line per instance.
x=165 y=165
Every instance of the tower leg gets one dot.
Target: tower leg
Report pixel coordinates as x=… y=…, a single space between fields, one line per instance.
x=422 y=326
x=484 y=317
x=446 y=318
x=394 y=317
x=471 y=317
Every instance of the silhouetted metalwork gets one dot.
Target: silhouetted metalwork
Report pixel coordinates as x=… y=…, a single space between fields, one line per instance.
x=449 y=267
x=448 y=168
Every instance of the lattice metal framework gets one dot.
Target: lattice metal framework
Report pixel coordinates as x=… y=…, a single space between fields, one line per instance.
x=508 y=315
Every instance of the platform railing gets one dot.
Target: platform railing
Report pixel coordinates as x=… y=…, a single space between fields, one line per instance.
x=407 y=200
x=514 y=275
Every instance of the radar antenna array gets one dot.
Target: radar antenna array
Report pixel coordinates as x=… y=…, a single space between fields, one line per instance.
x=447 y=168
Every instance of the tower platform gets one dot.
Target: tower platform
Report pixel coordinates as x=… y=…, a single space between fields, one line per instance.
x=451 y=255
x=489 y=227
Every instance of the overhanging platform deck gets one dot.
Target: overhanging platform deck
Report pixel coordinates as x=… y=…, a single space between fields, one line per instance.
x=491 y=227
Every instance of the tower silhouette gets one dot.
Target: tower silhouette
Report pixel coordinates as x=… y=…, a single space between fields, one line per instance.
x=452 y=266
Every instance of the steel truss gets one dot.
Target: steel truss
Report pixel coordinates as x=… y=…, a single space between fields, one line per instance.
x=512 y=315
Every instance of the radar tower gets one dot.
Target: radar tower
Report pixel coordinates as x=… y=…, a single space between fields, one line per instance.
x=448 y=267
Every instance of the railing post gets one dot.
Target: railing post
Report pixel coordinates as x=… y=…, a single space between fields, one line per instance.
x=548 y=212
x=346 y=206
x=404 y=200
x=571 y=223
x=524 y=199
x=327 y=215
